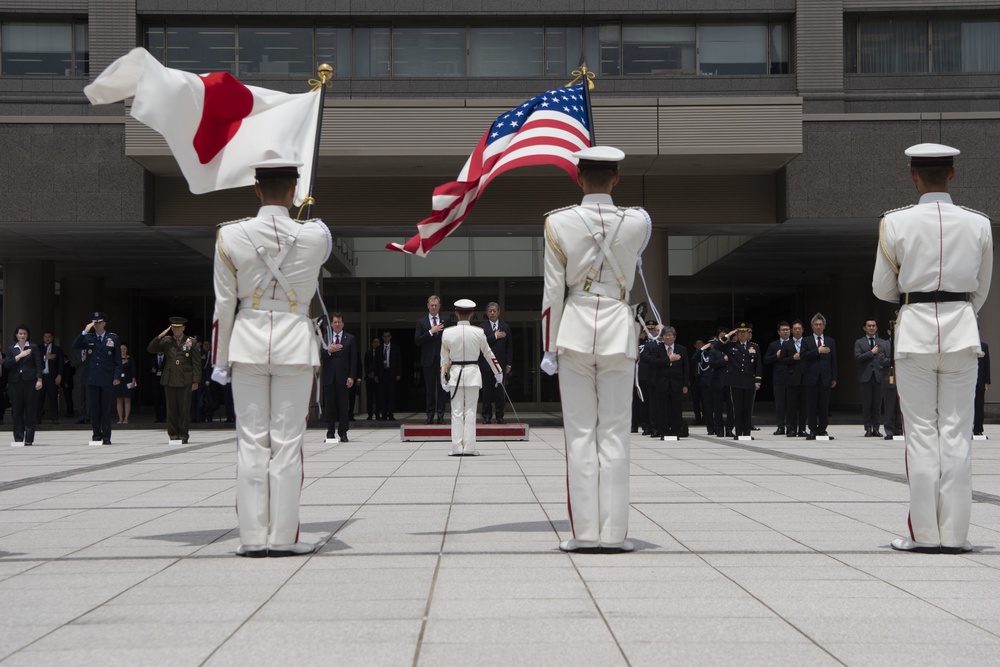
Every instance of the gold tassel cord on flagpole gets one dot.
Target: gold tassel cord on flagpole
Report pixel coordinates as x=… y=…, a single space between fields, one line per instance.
x=582 y=73
x=308 y=201
x=325 y=72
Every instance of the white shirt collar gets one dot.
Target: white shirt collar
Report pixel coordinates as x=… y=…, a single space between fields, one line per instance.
x=932 y=197
x=599 y=198
x=271 y=209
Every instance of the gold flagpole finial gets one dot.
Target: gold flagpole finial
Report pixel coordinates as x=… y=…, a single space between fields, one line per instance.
x=583 y=73
x=325 y=73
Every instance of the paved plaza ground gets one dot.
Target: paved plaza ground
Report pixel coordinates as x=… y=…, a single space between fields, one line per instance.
x=771 y=552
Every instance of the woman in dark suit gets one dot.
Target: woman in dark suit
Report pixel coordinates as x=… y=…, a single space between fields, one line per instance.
x=23 y=365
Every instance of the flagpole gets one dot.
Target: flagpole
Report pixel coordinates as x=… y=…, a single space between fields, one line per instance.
x=588 y=83
x=325 y=73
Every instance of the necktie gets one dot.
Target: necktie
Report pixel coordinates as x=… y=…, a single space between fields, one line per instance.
x=337 y=339
x=670 y=350
x=48 y=351
x=435 y=320
x=871 y=342
x=819 y=341
x=494 y=327
x=798 y=344
x=387 y=356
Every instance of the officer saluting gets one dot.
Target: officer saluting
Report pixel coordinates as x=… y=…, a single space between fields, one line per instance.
x=936 y=260
x=266 y=270
x=181 y=375
x=590 y=337
x=743 y=373
x=101 y=370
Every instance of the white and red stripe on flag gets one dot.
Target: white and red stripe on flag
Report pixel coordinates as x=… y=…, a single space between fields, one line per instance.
x=547 y=129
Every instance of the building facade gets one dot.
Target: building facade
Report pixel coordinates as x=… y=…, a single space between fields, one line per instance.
x=765 y=138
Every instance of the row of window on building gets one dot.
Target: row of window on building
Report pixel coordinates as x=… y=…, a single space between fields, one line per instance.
x=871 y=46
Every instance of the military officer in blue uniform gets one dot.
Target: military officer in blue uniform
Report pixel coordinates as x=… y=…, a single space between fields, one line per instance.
x=743 y=374
x=101 y=370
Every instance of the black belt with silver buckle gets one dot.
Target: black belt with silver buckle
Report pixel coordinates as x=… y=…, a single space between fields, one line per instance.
x=909 y=298
x=463 y=363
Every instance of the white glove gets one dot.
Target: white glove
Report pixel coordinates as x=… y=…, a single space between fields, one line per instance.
x=221 y=374
x=444 y=385
x=499 y=377
x=550 y=363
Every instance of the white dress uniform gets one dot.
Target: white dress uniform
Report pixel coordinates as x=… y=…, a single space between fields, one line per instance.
x=594 y=332
x=461 y=346
x=936 y=260
x=263 y=330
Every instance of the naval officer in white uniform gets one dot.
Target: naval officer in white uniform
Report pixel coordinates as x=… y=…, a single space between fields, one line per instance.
x=590 y=337
x=460 y=349
x=266 y=270
x=936 y=260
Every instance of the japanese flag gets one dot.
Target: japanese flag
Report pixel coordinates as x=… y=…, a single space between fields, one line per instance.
x=215 y=126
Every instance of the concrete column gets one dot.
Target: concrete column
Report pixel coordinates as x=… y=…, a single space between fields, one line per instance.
x=78 y=298
x=29 y=295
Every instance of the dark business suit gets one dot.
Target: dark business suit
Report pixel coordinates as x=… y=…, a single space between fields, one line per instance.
x=22 y=376
x=101 y=368
x=503 y=349
x=50 y=389
x=646 y=375
x=430 y=362
x=743 y=372
x=870 y=378
x=711 y=368
x=371 y=366
x=819 y=372
x=795 y=403
x=721 y=396
x=670 y=379
x=338 y=367
x=390 y=367
x=982 y=380
x=779 y=379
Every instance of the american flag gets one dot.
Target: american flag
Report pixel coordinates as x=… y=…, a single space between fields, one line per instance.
x=547 y=129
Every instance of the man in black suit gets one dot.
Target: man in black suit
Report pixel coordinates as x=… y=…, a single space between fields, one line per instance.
x=646 y=376
x=779 y=376
x=819 y=375
x=866 y=353
x=373 y=359
x=427 y=336
x=893 y=418
x=390 y=369
x=23 y=365
x=52 y=360
x=982 y=386
x=670 y=365
x=795 y=404
x=498 y=337
x=340 y=367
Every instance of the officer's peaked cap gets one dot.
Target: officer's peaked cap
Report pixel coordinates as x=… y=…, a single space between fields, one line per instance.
x=931 y=155
x=178 y=321
x=465 y=304
x=98 y=316
x=599 y=157
x=276 y=166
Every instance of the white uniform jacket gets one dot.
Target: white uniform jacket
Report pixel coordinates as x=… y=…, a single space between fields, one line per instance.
x=934 y=246
x=465 y=343
x=271 y=333
x=599 y=321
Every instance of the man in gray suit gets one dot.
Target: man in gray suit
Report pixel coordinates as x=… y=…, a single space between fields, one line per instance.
x=866 y=353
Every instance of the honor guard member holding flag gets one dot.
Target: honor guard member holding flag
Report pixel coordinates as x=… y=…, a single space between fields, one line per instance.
x=590 y=337
x=101 y=370
x=936 y=260
x=266 y=270
x=460 y=349
x=181 y=375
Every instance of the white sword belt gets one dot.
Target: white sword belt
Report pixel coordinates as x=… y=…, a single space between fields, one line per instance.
x=275 y=305
x=613 y=291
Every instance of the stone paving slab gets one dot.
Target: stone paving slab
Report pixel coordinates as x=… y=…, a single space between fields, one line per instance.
x=770 y=552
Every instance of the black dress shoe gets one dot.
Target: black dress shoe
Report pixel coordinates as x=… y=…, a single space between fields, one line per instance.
x=973 y=433
x=876 y=433
x=754 y=428
x=28 y=444
x=107 y=441
x=430 y=420
x=810 y=436
x=487 y=420
x=440 y=419
x=791 y=434
x=635 y=430
x=330 y=436
x=720 y=434
x=779 y=431
x=888 y=436
x=343 y=438
x=501 y=420
x=729 y=433
x=390 y=418
x=868 y=433
x=184 y=441
x=645 y=431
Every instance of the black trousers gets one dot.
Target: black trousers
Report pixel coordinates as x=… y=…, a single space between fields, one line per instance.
x=159 y=401
x=721 y=400
x=818 y=407
x=668 y=411
x=697 y=402
x=795 y=409
x=437 y=398
x=893 y=418
x=99 y=399
x=67 y=392
x=742 y=409
x=178 y=411
x=23 y=408
x=871 y=403
x=647 y=411
x=978 y=409
x=371 y=397
x=779 y=405
x=386 y=395
x=493 y=397
x=336 y=408
x=48 y=391
x=708 y=405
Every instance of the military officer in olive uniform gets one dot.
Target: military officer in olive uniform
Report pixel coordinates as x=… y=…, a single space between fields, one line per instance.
x=743 y=373
x=101 y=370
x=181 y=374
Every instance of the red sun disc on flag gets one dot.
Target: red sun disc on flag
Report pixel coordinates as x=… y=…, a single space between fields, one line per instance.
x=227 y=103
